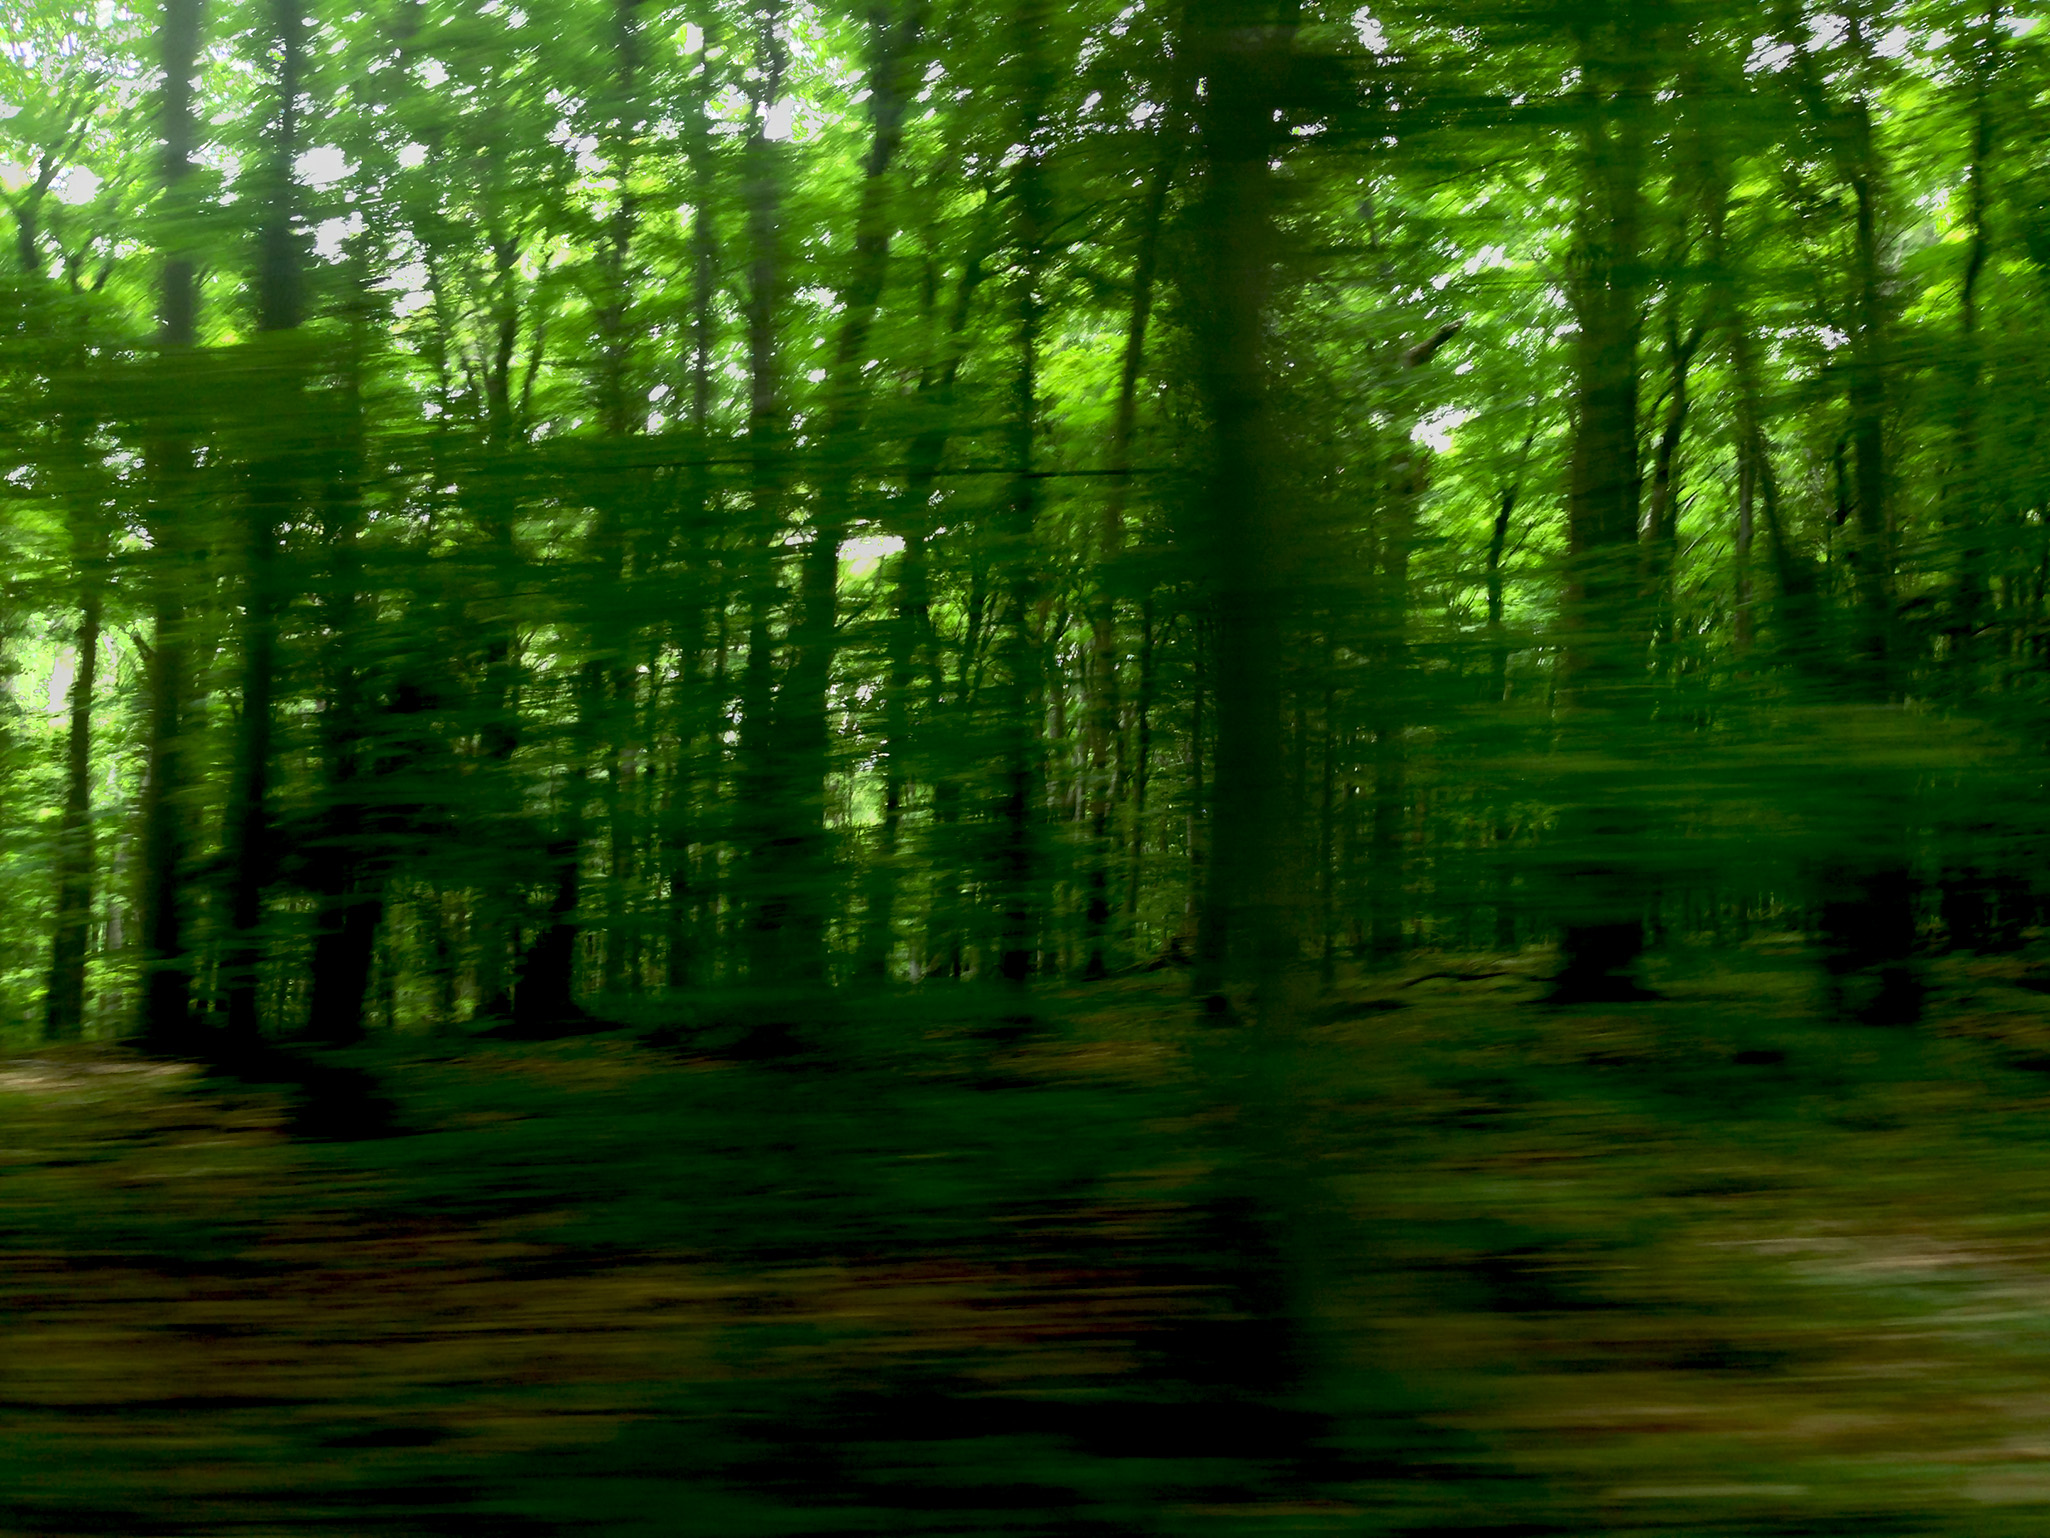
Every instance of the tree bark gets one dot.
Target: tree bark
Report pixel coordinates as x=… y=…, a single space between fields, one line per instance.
x=249 y=853
x=64 y=1005
x=1024 y=684
x=1244 y=59
x=1101 y=722
x=1601 y=904
x=166 y=965
x=763 y=783
x=912 y=637
x=699 y=718
x=801 y=871
x=545 y=998
x=1963 y=492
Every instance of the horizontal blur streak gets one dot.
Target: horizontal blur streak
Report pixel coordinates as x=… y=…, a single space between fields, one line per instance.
x=1704 y=1265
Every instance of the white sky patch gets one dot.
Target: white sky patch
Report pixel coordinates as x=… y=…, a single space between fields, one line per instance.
x=871 y=547
x=321 y=166
x=1894 y=43
x=410 y=282
x=329 y=235
x=1435 y=431
x=62 y=671
x=1369 y=32
x=80 y=185
x=1833 y=338
x=1485 y=259
x=433 y=73
x=693 y=37
x=777 y=120
x=1827 y=31
x=1768 y=57
x=412 y=155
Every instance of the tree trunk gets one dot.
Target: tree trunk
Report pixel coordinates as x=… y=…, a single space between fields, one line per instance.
x=801 y=870
x=913 y=645
x=1142 y=765
x=1024 y=683
x=544 y=999
x=1746 y=627
x=345 y=873
x=763 y=783
x=1868 y=892
x=1247 y=907
x=1101 y=725
x=1601 y=902
x=622 y=413
x=64 y=1007
x=1847 y=131
x=1661 y=532
x=249 y=853
x=699 y=721
x=1963 y=492
x=166 y=991
x=1498 y=545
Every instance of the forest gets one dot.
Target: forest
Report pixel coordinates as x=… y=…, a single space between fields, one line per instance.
x=522 y=515
x=1209 y=624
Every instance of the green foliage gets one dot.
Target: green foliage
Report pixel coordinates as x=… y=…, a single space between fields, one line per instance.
x=622 y=331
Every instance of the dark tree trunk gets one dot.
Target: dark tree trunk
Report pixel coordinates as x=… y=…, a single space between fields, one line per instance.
x=64 y=1009
x=763 y=781
x=1101 y=726
x=1248 y=917
x=343 y=869
x=685 y=849
x=544 y=996
x=801 y=872
x=1868 y=893
x=1662 y=522
x=1142 y=764
x=1024 y=685
x=912 y=643
x=1963 y=493
x=166 y=990
x=1602 y=902
x=908 y=620
x=249 y=853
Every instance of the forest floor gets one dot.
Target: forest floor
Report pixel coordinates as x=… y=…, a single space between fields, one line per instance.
x=1700 y=1265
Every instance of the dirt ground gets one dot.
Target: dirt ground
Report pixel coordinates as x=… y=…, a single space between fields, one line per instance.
x=1703 y=1264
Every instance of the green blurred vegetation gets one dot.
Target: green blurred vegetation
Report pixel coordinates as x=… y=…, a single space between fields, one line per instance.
x=976 y=767
x=1715 y=1268
x=575 y=508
